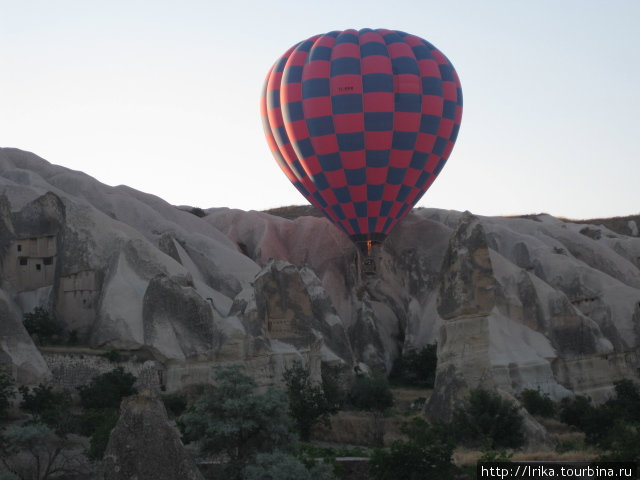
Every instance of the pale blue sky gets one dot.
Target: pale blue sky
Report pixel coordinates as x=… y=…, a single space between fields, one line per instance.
x=163 y=96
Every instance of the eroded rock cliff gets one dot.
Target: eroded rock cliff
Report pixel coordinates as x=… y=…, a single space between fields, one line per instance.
x=514 y=303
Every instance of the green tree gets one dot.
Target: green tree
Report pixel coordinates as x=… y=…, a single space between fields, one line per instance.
x=416 y=368
x=175 y=404
x=371 y=393
x=284 y=466
x=488 y=420
x=576 y=411
x=332 y=387
x=612 y=425
x=622 y=443
x=103 y=422
x=307 y=401
x=48 y=407
x=626 y=403
x=41 y=326
x=425 y=455
x=537 y=404
x=36 y=452
x=7 y=392
x=101 y=402
x=107 y=390
x=234 y=419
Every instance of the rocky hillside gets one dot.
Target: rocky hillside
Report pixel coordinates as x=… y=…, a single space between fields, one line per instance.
x=513 y=303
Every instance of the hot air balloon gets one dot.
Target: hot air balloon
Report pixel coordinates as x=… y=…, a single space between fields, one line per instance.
x=362 y=122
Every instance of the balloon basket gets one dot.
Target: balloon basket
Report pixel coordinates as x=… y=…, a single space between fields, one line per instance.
x=368 y=264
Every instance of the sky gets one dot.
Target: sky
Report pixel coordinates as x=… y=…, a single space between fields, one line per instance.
x=163 y=96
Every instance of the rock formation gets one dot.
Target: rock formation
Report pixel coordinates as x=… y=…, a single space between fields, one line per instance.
x=514 y=303
x=130 y=454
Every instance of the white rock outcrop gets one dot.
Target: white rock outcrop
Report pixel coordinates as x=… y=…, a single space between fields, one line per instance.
x=514 y=303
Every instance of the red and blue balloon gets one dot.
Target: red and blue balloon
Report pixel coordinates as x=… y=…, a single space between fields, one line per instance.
x=362 y=122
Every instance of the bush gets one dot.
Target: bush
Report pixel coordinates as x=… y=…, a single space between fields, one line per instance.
x=537 y=404
x=416 y=368
x=40 y=325
x=333 y=391
x=488 y=421
x=107 y=390
x=605 y=425
x=626 y=403
x=595 y=422
x=622 y=443
x=198 y=212
x=73 y=339
x=307 y=402
x=175 y=403
x=426 y=455
x=7 y=392
x=371 y=393
x=575 y=411
x=101 y=401
x=283 y=466
x=112 y=355
x=48 y=407
x=103 y=421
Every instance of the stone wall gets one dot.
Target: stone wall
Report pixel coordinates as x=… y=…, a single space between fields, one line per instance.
x=266 y=369
x=69 y=370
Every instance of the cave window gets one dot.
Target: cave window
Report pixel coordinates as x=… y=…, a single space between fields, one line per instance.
x=23 y=260
x=47 y=260
x=19 y=247
x=38 y=266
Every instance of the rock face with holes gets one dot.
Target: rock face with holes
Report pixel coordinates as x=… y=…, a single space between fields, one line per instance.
x=513 y=303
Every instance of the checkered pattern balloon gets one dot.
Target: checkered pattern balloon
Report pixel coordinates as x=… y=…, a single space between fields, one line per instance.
x=362 y=122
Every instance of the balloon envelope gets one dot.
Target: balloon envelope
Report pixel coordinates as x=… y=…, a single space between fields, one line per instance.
x=362 y=122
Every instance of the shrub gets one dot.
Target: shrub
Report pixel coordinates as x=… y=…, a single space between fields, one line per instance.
x=7 y=392
x=575 y=411
x=198 y=212
x=622 y=443
x=426 y=455
x=595 y=422
x=101 y=400
x=416 y=368
x=112 y=355
x=40 y=325
x=307 y=402
x=626 y=403
x=333 y=391
x=537 y=404
x=103 y=422
x=175 y=403
x=107 y=390
x=371 y=393
x=73 y=339
x=606 y=424
x=283 y=466
x=48 y=407
x=488 y=421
